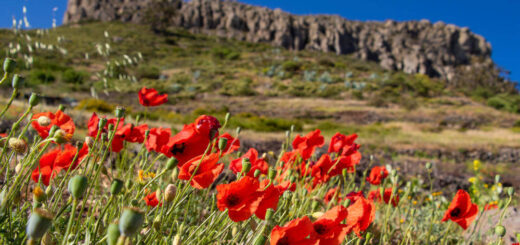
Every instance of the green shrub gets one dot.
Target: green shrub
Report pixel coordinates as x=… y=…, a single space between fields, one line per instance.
x=74 y=77
x=225 y=53
x=37 y=77
x=238 y=88
x=148 y=71
x=263 y=124
x=291 y=66
x=95 y=105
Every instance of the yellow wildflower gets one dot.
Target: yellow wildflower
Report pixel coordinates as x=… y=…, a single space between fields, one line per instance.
x=476 y=165
x=472 y=180
x=437 y=193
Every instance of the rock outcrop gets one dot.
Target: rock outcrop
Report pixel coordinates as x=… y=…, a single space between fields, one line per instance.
x=435 y=49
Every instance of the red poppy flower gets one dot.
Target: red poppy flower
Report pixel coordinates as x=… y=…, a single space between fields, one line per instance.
x=60 y=119
x=150 y=97
x=461 y=210
x=490 y=206
x=375 y=195
x=306 y=145
x=56 y=160
x=256 y=163
x=206 y=174
x=151 y=200
x=293 y=233
x=3 y=135
x=286 y=185
x=269 y=198
x=289 y=157
x=340 y=141
x=328 y=229
x=193 y=140
x=241 y=198
x=93 y=124
x=354 y=196
x=377 y=174
x=158 y=139
x=330 y=194
x=360 y=215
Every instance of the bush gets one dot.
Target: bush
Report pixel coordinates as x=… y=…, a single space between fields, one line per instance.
x=37 y=77
x=146 y=71
x=291 y=66
x=263 y=124
x=95 y=105
x=225 y=53
x=238 y=88
x=74 y=77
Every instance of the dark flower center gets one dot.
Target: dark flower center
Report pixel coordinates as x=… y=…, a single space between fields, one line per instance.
x=455 y=212
x=232 y=200
x=283 y=241
x=320 y=229
x=178 y=149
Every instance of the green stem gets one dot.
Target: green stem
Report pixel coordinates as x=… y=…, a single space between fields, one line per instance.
x=71 y=218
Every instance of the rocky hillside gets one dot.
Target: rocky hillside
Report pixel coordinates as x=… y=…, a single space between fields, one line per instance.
x=437 y=50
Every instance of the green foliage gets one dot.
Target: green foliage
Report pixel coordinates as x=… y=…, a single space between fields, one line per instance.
x=238 y=88
x=38 y=77
x=74 y=77
x=291 y=66
x=263 y=124
x=225 y=53
x=148 y=71
x=95 y=105
x=505 y=102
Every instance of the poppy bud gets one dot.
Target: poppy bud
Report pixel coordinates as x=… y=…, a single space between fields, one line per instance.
x=17 y=145
x=257 y=173
x=61 y=136
x=246 y=166
x=112 y=233
x=47 y=239
x=61 y=108
x=53 y=130
x=169 y=193
x=131 y=221
x=271 y=173
x=157 y=223
x=510 y=191
x=260 y=240
x=346 y=202
x=34 y=99
x=497 y=178
x=77 y=186
x=17 y=81
x=314 y=205
x=222 y=143
x=38 y=194
x=102 y=122
x=517 y=236
x=269 y=215
x=110 y=128
x=177 y=240
x=292 y=128
x=500 y=230
x=238 y=130
x=428 y=165
x=9 y=65
x=116 y=187
x=128 y=184
x=175 y=174
x=89 y=141
x=18 y=168
x=368 y=236
x=293 y=179
x=134 y=202
x=234 y=231
x=49 y=190
x=39 y=222
x=44 y=121
x=120 y=112
x=344 y=172
x=287 y=134
x=172 y=163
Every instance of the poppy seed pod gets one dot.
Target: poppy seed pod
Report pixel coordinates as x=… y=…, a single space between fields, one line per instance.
x=102 y=122
x=428 y=165
x=238 y=130
x=44 y=121
x=61 y=107
x=34 y=99
x=131 y=221
x=271 y=173
x=38 y=223
x=112 y=234
x=17 y=145
x=500 y=230
x=169 y=193
x=222 y=143
x=157 y=223
x=172 y=163
x=89 y=141
x=257 y=173
x=77 y=186
x=346 y=202
x=246 y=166
x=61 y=136
x=510 y=191
x=120 y=112
x=17 y=81
x=9 y=65
x=116 y=187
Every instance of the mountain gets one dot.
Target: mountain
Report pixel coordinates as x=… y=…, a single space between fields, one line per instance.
x=434 y=49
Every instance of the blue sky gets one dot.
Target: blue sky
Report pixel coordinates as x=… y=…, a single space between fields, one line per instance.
x=498 y=20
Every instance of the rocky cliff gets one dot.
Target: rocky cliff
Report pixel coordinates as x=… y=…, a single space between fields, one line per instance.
x=414 y=46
